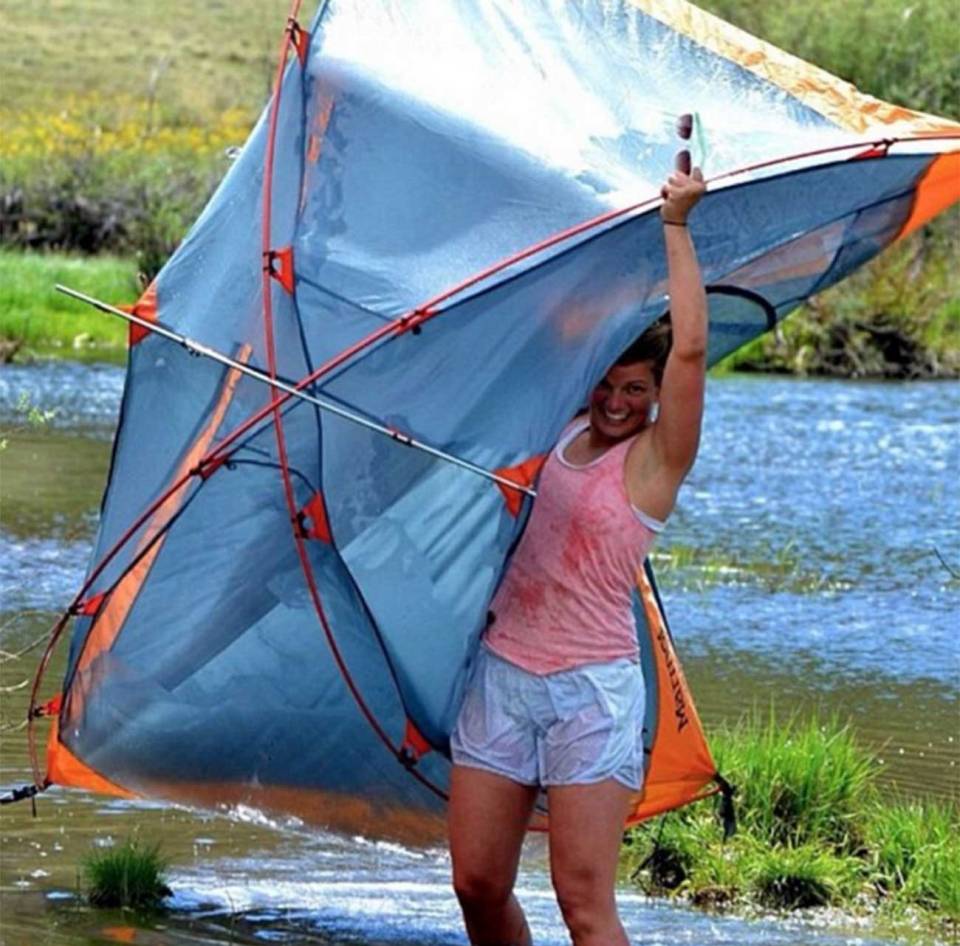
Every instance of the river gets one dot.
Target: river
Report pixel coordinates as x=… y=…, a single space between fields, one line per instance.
x=808 y=566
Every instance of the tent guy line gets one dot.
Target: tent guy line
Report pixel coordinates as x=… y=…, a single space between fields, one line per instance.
x=198 y=348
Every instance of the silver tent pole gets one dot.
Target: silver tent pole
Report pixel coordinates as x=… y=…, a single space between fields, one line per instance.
x=204 y=351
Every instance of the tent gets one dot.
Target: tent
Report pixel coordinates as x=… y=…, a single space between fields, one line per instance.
x=443 y=229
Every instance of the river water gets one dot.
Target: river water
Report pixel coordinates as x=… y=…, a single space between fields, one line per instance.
x=808 y=566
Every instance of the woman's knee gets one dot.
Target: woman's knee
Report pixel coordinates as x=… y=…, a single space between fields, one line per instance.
x=481 y=889
x=586 y=900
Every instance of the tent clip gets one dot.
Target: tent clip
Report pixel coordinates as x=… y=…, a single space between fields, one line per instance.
x=878 y=149
x=300 y=39
x=279 y=264
x=414 y=747
x=209 y=465
x=89 y=606
x=412 y=321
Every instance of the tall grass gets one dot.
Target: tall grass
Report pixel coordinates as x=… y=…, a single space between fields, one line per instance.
x=131 y=875
x=43 y=320
x=814 y=830
x=916 y=853
x=800 y=781
x=790 y=878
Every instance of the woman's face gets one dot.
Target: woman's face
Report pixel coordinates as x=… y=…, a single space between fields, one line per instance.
x=621 y=403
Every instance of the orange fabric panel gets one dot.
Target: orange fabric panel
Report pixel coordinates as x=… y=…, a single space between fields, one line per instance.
x=124 y=593
x=938 y=189
x=145 y=308
x=349 y=814
x=523 y=474
x=64 y=768
x=681 y=766
x=818 y=89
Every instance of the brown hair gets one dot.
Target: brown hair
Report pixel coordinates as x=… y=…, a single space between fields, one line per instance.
x=653 y=346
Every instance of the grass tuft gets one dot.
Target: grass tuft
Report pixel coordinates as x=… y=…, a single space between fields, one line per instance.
x=790 y=878
x=916 y=852
x=131 y=875
x=800 y=781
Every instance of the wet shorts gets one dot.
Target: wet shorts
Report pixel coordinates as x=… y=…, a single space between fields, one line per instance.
x=574 y=727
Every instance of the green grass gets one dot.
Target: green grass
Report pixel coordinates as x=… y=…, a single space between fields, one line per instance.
x=131 y=876
x=916 y=851
x=907 y=53
x=45 y=321
x=199 y=59
x=191 y=60
x=814 y=830
x=791 y=878
x=801 y=781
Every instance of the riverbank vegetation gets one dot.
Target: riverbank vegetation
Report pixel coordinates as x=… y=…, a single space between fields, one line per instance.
x=120 y=118
x=38 y=321
x=814 y=830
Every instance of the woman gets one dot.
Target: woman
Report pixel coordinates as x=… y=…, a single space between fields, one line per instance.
x=556 y=697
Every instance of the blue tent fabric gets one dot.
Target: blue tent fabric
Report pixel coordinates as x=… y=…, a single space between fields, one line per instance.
x=420 y=146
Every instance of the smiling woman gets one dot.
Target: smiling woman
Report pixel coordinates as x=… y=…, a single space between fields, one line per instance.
x=556 y=697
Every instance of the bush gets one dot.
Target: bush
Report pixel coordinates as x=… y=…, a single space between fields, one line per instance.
x=90 y=182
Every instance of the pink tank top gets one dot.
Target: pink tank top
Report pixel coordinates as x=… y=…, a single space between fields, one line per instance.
x=566 y=599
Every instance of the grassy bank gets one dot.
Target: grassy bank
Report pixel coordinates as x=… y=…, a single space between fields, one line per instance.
x=36 y=320
x=877 y=324
x=119 y=118
x=814 y=831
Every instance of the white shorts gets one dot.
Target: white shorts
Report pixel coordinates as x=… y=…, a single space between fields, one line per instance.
x=574 y=727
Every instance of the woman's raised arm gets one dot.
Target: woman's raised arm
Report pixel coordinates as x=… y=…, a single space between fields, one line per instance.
x=676 y=435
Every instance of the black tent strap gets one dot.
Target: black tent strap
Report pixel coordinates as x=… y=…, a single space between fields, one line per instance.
x=21 y=794
x=727 y=811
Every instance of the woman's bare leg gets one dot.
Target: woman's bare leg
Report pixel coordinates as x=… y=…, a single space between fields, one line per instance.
x=586 y=829
x=488 y=818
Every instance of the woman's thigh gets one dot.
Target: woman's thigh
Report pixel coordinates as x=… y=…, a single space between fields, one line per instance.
x=488 y=816
x=586 y=830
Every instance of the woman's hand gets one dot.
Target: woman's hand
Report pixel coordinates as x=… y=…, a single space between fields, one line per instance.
x=680 y=195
